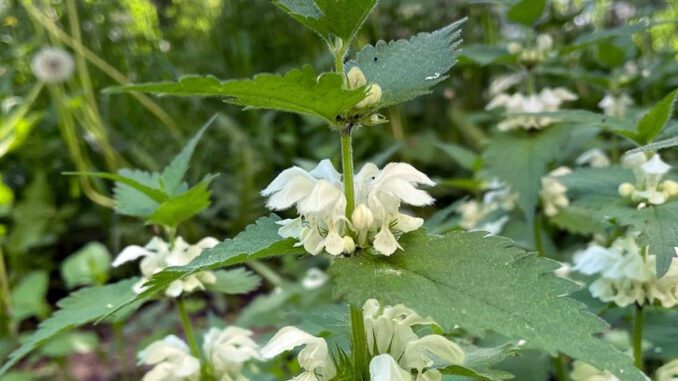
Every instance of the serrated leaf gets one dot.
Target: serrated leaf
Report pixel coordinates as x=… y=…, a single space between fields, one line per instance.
x=258 y=241
x=483 y=283
x=154 y=194
x=654 y=121
x=183 y=206
x=299 y=90
x=526 y=12
x=407 y=69
x=522 y=160
x=173 y=175
x=328 y=18
x=88 y=266
x=131 y=202
x=79 y=308
x=235 y=282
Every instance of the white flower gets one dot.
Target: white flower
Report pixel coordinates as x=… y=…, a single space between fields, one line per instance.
x=553 y=193
x=390 y=331
x=615 y=105
x=314 y=358
x=594 y=157
x=483 y=216
x=314 y=278
x=228 y=349
x=649 y=186
x=668 y=372
x=548 y=100
x=626 y=276
x=52 y=65
x=157 y=256
x=585 y=372
x=385 y=368
x=171 y=359
x=320 y=201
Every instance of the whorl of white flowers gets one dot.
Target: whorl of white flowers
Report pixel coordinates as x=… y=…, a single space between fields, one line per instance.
x=171 y=360
x=649 y=187
x=586 y=372
x=227 y=350
x=321 y=203
x=489 y=214
x=390 y=331
x=314 y=358
x=355 y=78
x=52 y=65
x=594 y=157
x=532 y=55
x=615 y=105
x=158 y=255
x=667 y=372
x=390 y=336
x=553 y=193
x=626 y=275
x=548 y=100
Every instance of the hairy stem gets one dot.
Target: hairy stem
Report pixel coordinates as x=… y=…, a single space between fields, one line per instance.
x=6 y=327
x=559 y=368
x=347 y=169
x=638 y=337
x=361 y=358
x=536 y=231
x=188 y=328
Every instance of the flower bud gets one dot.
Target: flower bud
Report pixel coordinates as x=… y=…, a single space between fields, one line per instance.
x=349 y=244
x=362 y=218
x=356 y=78
x=626 y=190
x=670 y=188
x=373 y=96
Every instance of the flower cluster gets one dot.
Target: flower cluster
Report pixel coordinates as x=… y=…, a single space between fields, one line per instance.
x=158 y=255
x=490 y=214
x=627 y=275
x=396 y=349
x=615 y=105
x=586 y=372
x=225 y=350
x=548 y=100
x=321 y=203
x=52 y=65
x=649 y=187
x=531 y=56
x=553 y=193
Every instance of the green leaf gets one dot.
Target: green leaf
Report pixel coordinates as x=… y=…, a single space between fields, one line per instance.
x=32 y=216
x=71 y=343
x=482 y=55
x=466 y=158
x=610 y=55
x=652 y=123
x=88 y=266
x=258 y=241
x=526 y=12
x=131 y=202
x=478 y=362
x=79 y=308
x=340 y=18
x=522 y=160
x=483 y=283
x=578 y=221
x=29 y=296
x=183 y=206
x=173 y=175
x=407 y=69
x=154 y=194
x=656 y=146
x=322 y=96
x=235 y=282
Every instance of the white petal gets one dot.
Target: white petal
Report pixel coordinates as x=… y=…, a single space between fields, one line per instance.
x=432 y=349
x=385 y=368
x=130 y=253
x=334 y=243
x=290 y=228
x=385 y=242
x=286 y=339
x=207 y=243
x=655 y=166
x=407 y=223
x=325 y=171
x=291 y=186
x=175 y=289
x=595 y=259
x=323 y=196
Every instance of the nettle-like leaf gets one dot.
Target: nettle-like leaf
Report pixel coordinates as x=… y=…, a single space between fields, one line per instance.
x=258 y=241
x=407 y=69
x=81 y=307
x=656 y=146
x=654 y=121
x=235 y=282
x=521 y=160
x=161 y=198
x=483 y=283
x=595 y=191
x=329 y=18
x=300 y=91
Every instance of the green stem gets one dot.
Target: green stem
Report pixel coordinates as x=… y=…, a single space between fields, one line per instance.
x=361 y=357
x=638 y=337
x=347 y=168
x=266 y=273
x=6 y=327
x=188 y=328
x=559 y=367
x=536 y=231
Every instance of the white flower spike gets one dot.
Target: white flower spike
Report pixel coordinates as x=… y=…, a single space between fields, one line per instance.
x=157 y=256
x=548 y=100
x=171 y=360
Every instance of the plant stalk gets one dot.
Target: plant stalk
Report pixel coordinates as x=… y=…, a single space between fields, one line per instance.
x=638 y=337
x=6 y=327
x=536 y=231
x=347 y=169
x=188 y=328
x=361 y=357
